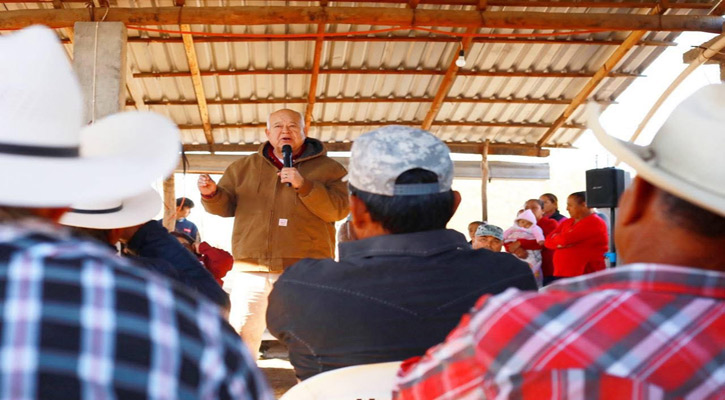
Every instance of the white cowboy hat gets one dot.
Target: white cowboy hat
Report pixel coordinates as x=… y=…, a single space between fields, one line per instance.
x=115 y=214
x=687 y=156
x=47 y=155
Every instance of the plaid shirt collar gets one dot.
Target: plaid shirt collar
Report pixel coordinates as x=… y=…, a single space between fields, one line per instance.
x=659 y=278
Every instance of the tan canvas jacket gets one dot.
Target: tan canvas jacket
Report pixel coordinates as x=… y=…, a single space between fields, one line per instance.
x=273 y=221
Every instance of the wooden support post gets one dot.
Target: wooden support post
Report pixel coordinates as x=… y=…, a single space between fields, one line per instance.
x=198 y=86
x=169 y=203
x=484 y=181
x=99 y=59
x=722 y=73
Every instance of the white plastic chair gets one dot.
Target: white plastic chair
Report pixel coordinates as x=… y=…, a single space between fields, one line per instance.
x=359 y=382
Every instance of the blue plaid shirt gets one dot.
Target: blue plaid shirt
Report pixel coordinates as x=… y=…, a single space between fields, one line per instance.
x=76 y=321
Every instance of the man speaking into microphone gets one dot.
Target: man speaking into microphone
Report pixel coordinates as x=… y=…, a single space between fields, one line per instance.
x=284 y=208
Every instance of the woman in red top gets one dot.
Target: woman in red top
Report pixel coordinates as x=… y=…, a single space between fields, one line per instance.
x=580 y=242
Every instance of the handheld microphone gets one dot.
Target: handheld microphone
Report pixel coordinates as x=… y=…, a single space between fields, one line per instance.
x=287 y=158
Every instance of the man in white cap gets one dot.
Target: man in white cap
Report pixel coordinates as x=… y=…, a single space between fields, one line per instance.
x=651 y=329
x=145 y=240
x=77 y=321
x=406 y=281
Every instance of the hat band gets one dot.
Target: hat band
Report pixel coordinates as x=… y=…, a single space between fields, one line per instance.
x=40 y=151
x=415 y=189
x=103 y=211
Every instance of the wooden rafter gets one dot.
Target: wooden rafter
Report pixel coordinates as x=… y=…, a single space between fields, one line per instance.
x=198 y=85
x=312 y=93
x=368 y=71
x=400 y=39
x=512 y=149
x=447 y=81
x=479 y=124
x=589 y=87
x=497 y=3
x=332 y=100
x=380 y=16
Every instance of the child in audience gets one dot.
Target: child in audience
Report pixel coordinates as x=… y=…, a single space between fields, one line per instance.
x=525 y=228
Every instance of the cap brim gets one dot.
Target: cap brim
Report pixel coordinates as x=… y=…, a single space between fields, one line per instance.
x=136 y=210
x=643 y=161
x=121 y=155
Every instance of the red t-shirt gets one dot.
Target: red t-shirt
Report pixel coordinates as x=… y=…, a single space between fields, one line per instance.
x=579 y=246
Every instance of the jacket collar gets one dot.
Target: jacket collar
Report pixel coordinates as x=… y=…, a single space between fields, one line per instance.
x=313 y=148
x=678 y=280
x=420 y=244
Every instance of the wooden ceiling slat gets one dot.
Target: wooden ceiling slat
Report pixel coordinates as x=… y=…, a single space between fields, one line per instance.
x=364 y=100
x=598 y=77
x=495 y=3
x=315 y=74
x=512 y=149
x=402 y=39
x=198 y=85
x=541 y=125
x=379 y=16
x=366 y=71
x=447 y=81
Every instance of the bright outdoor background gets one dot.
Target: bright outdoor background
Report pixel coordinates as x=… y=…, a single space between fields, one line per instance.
x=567 y=166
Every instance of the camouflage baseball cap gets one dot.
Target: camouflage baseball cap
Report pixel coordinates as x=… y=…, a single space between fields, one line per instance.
x=490 y=230
x=380 y=156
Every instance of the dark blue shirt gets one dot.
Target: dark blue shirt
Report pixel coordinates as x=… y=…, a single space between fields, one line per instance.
x=389 y=298
x=154 y=243
x=187 y=227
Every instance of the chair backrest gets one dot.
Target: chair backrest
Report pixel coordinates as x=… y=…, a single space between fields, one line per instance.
x=359 y=382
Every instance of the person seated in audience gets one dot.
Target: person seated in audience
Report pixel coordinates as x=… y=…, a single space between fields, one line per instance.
x=525 y=228
x=77 y=321
x=472 y=230
x=405 y=282
x=653 y=328
x=217 y=261
x=129 y=222
x=580 y=241
x=488 y=237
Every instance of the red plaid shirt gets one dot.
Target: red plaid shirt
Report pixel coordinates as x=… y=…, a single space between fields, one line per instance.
x=638 y=332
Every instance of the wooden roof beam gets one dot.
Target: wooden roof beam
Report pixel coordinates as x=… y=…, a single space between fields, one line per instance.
x=332 y=100
x=367 y=71
x=497 y=3
x=479 y=124
x=198 y=85
x=589 y=87
x=447 y=81
x=312 y=92
x=512 y=149
x=380 y=16
x=401 y=39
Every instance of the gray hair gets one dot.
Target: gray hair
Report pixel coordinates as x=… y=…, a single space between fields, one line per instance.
x=302 y=118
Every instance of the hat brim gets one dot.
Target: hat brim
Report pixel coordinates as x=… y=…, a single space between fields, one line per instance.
x=641 y=159
x=121 y=155
x=136 y=210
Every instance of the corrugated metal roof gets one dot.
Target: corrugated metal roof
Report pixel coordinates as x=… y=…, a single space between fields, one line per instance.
x=527 y=58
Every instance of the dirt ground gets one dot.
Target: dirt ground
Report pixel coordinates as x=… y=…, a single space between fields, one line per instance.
x=274 y=362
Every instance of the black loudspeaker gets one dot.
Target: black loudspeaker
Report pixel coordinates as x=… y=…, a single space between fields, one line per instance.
x=604 y=186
